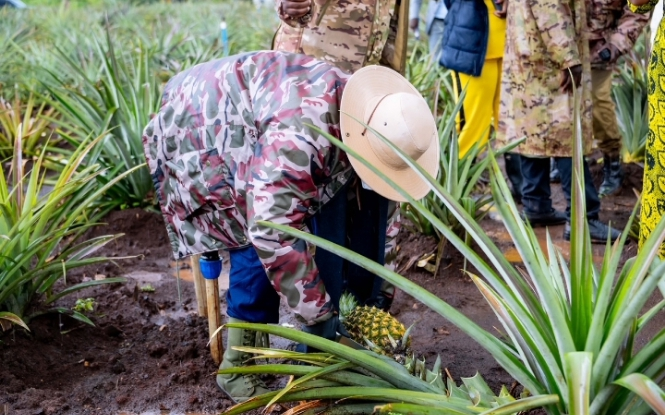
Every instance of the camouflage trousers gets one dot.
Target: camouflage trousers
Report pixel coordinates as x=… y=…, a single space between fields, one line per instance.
x=605 y=126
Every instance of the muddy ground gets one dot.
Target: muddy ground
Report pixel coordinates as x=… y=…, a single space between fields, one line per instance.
x=148 y=354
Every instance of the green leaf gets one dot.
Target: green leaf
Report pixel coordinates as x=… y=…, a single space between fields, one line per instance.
x=83 y=285
x=578 y=374
x=13 y=318
x=412 y=409
x=645 y=388
x=319 y=373
x=370 y=363
x=524 y=404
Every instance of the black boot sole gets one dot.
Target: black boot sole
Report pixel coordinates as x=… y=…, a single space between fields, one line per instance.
x=536 y=223
x=593 y=240
x=614 y=193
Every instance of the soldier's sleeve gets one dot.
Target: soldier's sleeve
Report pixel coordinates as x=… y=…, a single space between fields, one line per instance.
x=557 y=30
x=281 y=190
x=645 y=8
x=629 y=28
x=299 y=22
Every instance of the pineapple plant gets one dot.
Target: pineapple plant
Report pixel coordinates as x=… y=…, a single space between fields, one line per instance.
x=381 y=332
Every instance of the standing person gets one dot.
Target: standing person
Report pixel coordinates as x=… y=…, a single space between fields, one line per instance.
x=653 y=189
x=434 y=23
x=347 y=33
x=473 y=43
x=614 y=28
x=473 y=47
x=237 y=142
x=547 y=55
x=351 y=34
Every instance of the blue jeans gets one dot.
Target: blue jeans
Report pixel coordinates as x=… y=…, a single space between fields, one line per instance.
x=536 y=195
x=250 y=297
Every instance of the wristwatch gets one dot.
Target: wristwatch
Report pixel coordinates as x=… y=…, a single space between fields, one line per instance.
x=605 y=55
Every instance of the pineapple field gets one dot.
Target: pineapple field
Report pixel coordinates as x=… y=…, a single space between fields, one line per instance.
x=148 y=350
x=97 y=318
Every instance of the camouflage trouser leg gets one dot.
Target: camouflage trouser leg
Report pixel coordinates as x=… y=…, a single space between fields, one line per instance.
x=605 y=125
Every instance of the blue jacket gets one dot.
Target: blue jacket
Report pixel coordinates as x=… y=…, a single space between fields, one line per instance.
x=465 y=36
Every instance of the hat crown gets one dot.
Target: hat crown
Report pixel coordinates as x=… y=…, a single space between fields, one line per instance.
x=403 y=119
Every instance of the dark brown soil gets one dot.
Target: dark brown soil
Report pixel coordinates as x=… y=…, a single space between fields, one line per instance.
x=148 y=352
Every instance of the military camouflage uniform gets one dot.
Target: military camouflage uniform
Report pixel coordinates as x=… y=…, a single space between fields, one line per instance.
x=232 y=145
x=611 y=23
x=351 y=34
x=543 y=38
x=348 y=33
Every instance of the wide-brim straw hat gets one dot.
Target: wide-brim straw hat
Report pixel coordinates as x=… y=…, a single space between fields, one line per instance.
x=389 y=104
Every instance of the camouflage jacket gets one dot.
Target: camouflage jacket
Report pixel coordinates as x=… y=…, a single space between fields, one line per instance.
x=612 y=22
x=231 y=146
x=543 y=38
x=347 y=33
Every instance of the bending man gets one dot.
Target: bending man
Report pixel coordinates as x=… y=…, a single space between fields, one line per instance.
x=237 y=141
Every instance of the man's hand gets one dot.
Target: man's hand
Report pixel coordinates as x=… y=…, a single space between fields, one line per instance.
x=614 y=53
x=503 y=10
x=572 y=77
x=296 y=8
x=413 y=23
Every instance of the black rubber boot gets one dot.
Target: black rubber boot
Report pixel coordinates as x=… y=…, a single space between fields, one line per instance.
x=598 y=231
x=551 y=218
x=612 y=176
x=514 y=173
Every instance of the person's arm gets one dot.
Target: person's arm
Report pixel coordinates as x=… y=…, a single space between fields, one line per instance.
x=414 y=13
x=629 y=28
x=295 y=13
x=281 y=190
x=503 y=11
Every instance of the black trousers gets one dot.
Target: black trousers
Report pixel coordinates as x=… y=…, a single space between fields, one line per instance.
x=536 y=195
x=357 y=220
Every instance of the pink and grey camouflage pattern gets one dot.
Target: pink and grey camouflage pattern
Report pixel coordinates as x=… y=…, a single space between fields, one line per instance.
x=231 y=146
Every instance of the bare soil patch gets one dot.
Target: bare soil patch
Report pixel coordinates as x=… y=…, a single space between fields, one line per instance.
x=148 y=352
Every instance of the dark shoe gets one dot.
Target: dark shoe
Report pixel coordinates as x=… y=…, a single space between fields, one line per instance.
x=597 y=230
x=382 y=302
x=555 y=176
x=553 y=217
x=612 y=176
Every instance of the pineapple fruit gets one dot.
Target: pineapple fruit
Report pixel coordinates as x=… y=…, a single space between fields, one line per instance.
x=375 y=328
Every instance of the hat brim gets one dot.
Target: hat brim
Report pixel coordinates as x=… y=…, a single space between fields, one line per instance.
x=364 y=85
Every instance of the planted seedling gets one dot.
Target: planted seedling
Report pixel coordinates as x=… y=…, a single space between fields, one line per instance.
x=147 y=288
x=84 y=305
